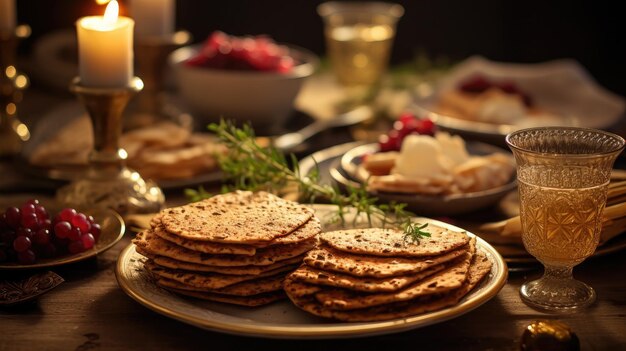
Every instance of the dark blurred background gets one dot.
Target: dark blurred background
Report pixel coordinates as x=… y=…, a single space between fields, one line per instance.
x=592 y=32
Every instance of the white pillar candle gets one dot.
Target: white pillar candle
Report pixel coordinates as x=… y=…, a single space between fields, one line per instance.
x=105 y=49
x=153 y=18
x=7 y=15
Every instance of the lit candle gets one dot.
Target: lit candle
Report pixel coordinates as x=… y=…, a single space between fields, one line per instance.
x=105 y=49
x=153 y=18
x=7 y=15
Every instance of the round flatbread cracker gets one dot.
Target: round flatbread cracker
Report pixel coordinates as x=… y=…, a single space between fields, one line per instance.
x=329 y=259
x=392 y=242
x=240 y=217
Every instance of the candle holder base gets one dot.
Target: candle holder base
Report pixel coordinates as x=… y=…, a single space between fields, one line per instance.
x=108 y=182
x=126 y=193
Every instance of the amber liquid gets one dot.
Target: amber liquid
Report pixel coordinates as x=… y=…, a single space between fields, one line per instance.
x=359 y=54
x=562 y=217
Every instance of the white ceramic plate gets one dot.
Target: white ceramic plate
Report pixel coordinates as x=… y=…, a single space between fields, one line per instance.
x=283 y=319
x=346 y=174
x=562 y=87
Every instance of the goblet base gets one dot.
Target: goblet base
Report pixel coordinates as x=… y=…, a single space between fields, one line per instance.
x=557 y=295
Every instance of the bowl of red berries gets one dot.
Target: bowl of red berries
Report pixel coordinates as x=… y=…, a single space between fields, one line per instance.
x=34 y=235
x=245 y=79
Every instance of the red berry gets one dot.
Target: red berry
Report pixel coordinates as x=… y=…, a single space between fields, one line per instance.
x=475 y=84
x=75 y=234
x=7 y=237
x=41 y=212
x=27 y=208
x=30 y=220
x=33 y=202
x=24 y=232
x=95 y=231
x=41 y=237
x=21 y=243
x=13 y=217
x=46 y=224
x=91 y=220
x=81 y=221
x=62 y=229
x=426 y=127
x=88 y=241
x=406 y=117
x=75 y=247
x=26 y=257
x=67 y=214
x=48 y=250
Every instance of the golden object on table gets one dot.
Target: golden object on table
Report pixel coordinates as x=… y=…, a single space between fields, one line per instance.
x=150 y=57
x=108 y=182
x=546 y=335
x=563 y=175
x=12 y=82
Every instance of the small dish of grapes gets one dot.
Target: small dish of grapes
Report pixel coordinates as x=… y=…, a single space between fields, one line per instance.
x=36 y=235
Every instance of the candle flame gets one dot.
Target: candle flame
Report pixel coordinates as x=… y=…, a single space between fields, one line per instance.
x=111 y=12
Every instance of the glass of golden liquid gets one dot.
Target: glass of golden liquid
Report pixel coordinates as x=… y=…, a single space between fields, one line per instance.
x=359 y=36
x=563 y=174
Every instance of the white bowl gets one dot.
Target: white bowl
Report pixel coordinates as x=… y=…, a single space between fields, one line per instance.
x=262 y=98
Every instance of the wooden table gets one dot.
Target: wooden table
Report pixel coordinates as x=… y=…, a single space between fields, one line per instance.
x=90 y=311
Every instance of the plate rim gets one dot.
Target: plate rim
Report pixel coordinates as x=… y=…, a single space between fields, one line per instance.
x=63 y=260
x=339 y=329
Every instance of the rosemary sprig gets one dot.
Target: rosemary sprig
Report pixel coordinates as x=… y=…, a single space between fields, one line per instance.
x=255 y=167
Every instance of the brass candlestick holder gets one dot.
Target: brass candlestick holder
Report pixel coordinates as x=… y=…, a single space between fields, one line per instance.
x=108 y=183
x=151 y=58
x=12 y=83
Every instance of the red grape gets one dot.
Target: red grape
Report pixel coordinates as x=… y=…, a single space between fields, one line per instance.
x=21 y=243
x=41 y=212
x=30 y=220
x=26 y=257
x=95 y=231
x=7 y=237
x=75 y=234
x=27 y=208
x=24 y=232
x=76 y=247
x=13 y=216
x=80 y=221
x=88 y=241
x=62 y=229
x=48 y=250
x=67 y=214
x=42 y=237
x=33 y=202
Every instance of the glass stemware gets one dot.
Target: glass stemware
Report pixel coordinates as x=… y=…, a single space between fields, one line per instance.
x=563 y=175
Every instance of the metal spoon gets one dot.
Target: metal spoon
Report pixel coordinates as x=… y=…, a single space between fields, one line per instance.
x=291 y=140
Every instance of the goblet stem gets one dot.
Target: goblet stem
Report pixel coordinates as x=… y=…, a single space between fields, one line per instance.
x=558 y=273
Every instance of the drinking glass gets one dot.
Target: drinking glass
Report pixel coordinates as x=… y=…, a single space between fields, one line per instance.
x=359 y=37
x=563 y=174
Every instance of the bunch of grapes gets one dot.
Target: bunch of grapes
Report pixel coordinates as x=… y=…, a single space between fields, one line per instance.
x=406 y=124
x=27 y=233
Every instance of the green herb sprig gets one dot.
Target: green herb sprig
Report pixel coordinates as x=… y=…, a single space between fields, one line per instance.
x=254 y=167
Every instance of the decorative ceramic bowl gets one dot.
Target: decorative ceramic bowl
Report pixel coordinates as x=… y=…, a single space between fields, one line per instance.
x=262 y=98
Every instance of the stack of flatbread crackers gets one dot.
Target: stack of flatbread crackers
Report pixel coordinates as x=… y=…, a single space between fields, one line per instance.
x=235 y=248
x=375 y=274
